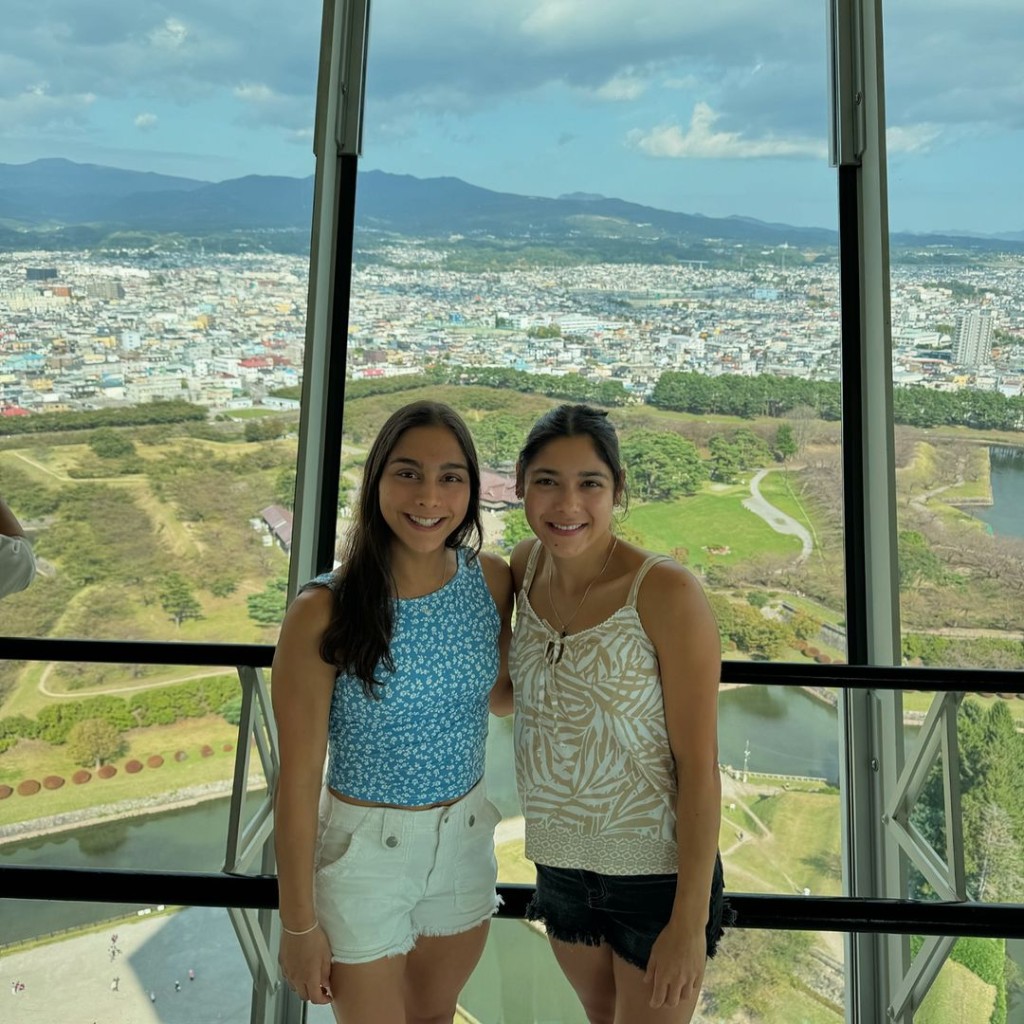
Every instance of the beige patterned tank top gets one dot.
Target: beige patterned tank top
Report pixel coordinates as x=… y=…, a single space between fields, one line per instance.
x=596 y=776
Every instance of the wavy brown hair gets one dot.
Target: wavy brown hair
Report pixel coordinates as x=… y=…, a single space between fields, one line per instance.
x=358 y=639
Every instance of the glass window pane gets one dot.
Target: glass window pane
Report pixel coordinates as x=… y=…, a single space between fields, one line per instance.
x=124 y=780
x=976 y=983
x=573 y=217
x=958 y=329
x=153 y=286
x=990 y=749
x=767 y=977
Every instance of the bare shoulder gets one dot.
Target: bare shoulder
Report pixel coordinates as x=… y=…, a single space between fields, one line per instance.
x=672 y=599
x=310 y=613
x=520 y=556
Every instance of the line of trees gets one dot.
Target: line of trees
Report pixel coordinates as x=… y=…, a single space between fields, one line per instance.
x=174 y=411
x=162 y=705
x=767 y=395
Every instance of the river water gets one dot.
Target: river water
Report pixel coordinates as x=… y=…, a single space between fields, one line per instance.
x=1006 y=513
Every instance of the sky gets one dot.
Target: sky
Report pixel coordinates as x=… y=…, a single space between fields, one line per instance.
x=718 y=108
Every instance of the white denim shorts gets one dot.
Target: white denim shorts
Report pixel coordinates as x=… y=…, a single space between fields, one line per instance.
x=385 y=876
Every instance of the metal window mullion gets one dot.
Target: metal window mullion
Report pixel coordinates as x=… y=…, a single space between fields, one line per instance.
x=337 y=143
x=871 y=722
x=337 y=139
x=240 y=778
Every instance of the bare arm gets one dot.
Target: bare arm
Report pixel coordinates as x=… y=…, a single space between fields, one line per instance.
x=679 y=621
x=301 y=689
x=9 y=525
x=499 y=582
x=17 y=563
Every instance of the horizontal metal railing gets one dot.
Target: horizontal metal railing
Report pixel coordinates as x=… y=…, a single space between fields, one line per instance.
x=753 y=910
x=219 y=889
x=769 y=673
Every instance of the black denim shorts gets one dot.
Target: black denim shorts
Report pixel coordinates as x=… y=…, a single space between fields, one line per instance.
x=626 y=911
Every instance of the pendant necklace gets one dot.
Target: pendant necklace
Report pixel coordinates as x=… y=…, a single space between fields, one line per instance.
x=555 y=648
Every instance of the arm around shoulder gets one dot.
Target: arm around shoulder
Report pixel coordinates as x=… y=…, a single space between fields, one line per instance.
x=499 y=582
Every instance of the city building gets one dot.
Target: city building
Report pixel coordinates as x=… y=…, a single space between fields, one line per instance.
x=972 y=344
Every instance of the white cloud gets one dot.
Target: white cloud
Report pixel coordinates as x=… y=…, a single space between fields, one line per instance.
x=911 y=138
x=701 y=142
x=146 y=122
x=255 y=93
x=622 y=88
x=681 y=82
x=171 y=35
x=36 y=107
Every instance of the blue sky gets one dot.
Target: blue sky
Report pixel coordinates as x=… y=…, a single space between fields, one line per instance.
x=718 y=108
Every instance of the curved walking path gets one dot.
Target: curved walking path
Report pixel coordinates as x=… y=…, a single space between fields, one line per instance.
x=778 y=520
x=89 y=692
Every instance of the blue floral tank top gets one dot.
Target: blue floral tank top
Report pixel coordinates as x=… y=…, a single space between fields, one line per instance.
x=423 y=741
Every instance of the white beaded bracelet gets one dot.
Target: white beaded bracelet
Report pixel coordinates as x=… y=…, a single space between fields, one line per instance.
x=312 y=928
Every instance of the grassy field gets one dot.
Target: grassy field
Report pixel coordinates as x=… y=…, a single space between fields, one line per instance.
x=922 y=702
x=801 y=849
x=713 y=518
x=34 y=760
x=957 y=995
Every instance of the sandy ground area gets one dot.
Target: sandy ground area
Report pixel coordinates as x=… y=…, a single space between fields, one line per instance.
x=70 y=982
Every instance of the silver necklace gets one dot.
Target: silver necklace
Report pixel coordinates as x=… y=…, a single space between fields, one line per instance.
x=555 y=648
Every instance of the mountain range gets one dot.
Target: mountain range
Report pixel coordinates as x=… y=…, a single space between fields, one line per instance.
x=76 y=200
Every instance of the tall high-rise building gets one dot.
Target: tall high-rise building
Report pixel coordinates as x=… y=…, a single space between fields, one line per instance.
x=972 y=344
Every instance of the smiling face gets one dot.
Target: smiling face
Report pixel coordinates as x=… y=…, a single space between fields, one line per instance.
x=424 y=490
x=569 y=496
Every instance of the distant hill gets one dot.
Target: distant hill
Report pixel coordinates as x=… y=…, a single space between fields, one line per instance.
x=59 y=201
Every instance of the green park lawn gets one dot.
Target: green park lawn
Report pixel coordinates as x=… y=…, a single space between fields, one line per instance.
x=922 y=702
x=708 y=519
x=800 y=851
x=32 y=759
x=957 y=995
x=512 y=863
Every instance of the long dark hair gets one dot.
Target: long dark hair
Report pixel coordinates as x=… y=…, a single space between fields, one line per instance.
x=358 y=639
x=575 y=421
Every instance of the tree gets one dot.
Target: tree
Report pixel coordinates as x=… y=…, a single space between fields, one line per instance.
x=268 y=606
x=284 y=488
x=111 y=444
x=498 y=438
x=784 y=446
x=516 y=528
x=661 y=465
x=266 y=428
x=725 y=461
x=178 y=600
x=94 y=741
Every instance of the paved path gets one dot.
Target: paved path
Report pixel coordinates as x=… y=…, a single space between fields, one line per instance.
x=778 y=520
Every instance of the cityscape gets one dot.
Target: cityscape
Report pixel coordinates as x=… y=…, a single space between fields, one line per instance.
x=83 y=330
